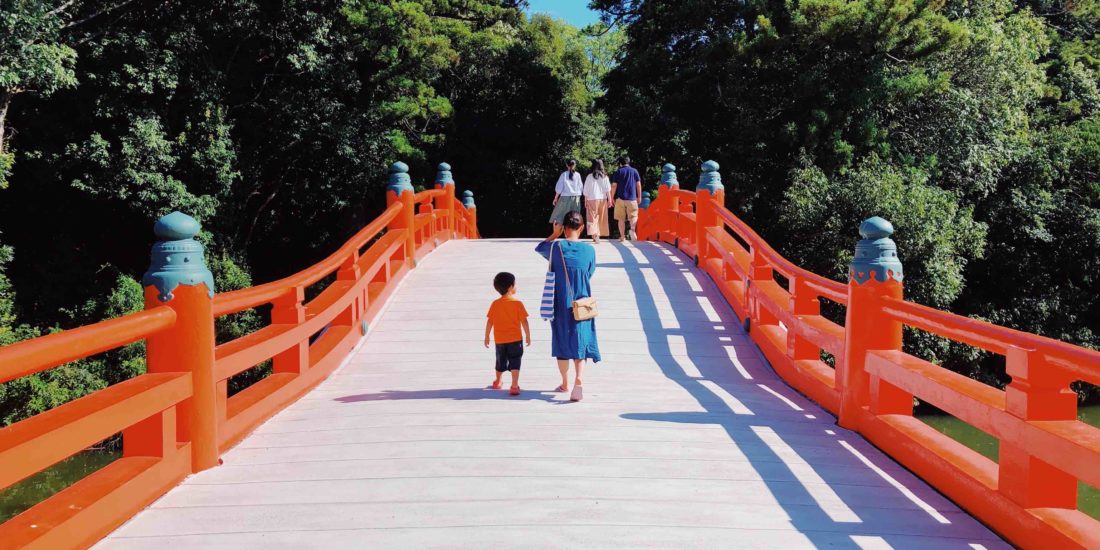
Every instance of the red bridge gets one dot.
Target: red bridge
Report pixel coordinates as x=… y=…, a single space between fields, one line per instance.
x=714 y=420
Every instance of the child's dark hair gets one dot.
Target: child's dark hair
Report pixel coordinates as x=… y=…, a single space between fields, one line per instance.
x=503 y=281
x=573 y=220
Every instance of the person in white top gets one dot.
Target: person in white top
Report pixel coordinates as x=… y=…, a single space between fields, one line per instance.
x=567 y=197
x=597 y=189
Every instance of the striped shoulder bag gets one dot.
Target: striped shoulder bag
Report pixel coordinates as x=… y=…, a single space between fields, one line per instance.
x=546 y=308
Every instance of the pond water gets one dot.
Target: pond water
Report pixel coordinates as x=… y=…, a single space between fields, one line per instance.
x=1088 y=497
x=17 y=498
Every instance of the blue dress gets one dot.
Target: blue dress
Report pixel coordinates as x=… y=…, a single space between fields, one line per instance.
x=571 y=339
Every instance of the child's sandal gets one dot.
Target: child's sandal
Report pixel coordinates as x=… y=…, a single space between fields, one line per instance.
x=496 y=385
x=561 y=389
x=514 y=390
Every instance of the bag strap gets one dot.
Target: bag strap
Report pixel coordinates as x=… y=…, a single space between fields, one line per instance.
x=566 y=269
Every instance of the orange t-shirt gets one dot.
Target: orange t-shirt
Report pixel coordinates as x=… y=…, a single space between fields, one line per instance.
x=507 y=315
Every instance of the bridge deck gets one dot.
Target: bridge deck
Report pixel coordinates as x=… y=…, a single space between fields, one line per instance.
x=685 y=438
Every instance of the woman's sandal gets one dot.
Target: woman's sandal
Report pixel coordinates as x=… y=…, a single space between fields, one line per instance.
x=496 y=385
x=577 y=394
x=514 y=390
x=561 y=389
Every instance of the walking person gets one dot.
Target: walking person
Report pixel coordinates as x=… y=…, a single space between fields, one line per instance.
x=573 y=263
x=507 y=322
x=597 y=190
x=567 y=197
x=626 y=189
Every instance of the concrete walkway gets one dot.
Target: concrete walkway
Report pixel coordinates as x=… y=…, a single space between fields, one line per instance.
x=685 y=438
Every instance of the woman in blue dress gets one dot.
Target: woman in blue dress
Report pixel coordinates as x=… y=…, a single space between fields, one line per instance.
x=571 y=340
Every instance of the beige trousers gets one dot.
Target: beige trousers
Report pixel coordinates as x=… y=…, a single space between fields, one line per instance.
x=596 y=214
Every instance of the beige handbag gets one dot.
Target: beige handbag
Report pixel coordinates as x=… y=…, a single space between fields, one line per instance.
x=585 y=308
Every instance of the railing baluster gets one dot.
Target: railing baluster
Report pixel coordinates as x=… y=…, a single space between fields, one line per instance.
x=155 y=436
x=289 y=310
x=1037 y=392
x=803 y=302
x=759 y=270
x=349 y=271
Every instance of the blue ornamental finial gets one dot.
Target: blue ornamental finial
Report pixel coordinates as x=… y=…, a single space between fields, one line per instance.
x=876 y=255
x=399 y=178
x=710 y=180
x=668 y=175
x=468 y=199
x=645 y=200
x=443 y=175
x=177 y=258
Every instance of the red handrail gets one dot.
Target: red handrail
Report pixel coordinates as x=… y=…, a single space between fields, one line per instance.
x=1029 y=495
x=827 y=287
x=246 y=298
x=38 y=354
x=306 y=341
x=1081 y=363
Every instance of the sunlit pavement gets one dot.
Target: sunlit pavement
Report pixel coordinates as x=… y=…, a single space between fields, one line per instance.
x=685 y=437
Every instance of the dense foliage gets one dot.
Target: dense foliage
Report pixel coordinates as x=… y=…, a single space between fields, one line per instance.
x=974 y=125
x=272 y=122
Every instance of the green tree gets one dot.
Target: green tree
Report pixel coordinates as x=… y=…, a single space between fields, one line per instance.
x=33 y=58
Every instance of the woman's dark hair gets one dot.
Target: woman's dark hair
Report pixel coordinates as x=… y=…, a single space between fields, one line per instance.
x=598 y=170
x=573 y=220
x=503 y=281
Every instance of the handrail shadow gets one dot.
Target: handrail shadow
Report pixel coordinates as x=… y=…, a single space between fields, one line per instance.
x=825 y=495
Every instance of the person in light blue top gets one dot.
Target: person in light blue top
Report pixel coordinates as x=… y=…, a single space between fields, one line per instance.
x=571 y=340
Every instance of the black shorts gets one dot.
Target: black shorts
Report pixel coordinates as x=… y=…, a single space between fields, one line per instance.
x=509 y=356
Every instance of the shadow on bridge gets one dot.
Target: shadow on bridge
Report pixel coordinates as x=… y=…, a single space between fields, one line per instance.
x=454 y=394
x=834 y=487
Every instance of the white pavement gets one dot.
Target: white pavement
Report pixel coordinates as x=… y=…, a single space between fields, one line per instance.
x=685 y=438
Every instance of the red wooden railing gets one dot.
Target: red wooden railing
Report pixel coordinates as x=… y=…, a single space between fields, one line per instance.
x=178 y=418
x=1029 y=495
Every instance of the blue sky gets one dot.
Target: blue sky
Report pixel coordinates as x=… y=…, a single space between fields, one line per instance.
x=575 y=12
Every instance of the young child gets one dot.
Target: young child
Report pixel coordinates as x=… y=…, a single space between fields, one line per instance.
x=506 y=316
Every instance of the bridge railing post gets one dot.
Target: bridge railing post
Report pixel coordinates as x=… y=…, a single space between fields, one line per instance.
x=669 y=204
x=1038 y=391
x=178 y=278
x=875 y=273
x=644 y=221
x=399 y=189
x=471 y=213
x=445 y=180
x=708 y=195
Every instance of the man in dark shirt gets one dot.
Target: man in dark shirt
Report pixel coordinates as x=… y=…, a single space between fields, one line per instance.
x=626 y=189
